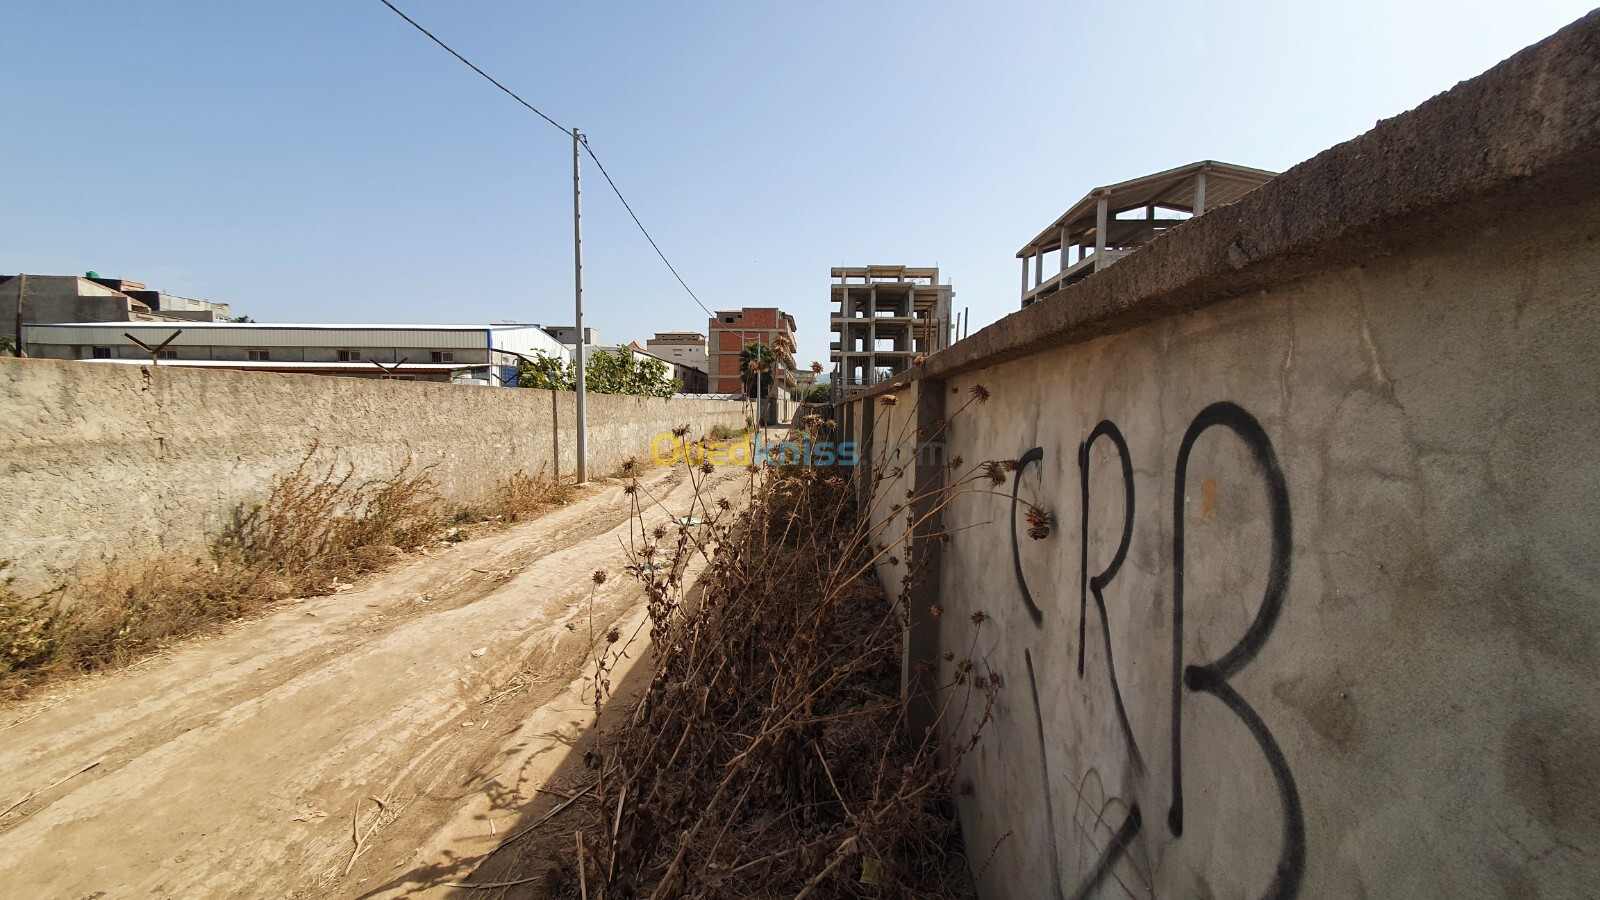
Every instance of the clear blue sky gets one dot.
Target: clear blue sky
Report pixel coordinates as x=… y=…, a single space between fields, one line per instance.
x=319 y=160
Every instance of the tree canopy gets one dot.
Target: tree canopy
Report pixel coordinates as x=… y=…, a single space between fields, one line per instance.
x=605 y=372
x=757 y=362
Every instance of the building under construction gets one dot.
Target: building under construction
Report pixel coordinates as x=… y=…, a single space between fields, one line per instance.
x=884 y=317
x=1111 y=222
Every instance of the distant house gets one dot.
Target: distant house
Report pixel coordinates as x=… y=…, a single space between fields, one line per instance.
x=466 y=354
x=568 y=335
x=687 y=347
x=1111 y=222
x=90 y=298
x=692 y=380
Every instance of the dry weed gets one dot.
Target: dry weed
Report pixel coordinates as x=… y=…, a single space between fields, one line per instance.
x=318 y=528
x=524 y=496
x=770 y=754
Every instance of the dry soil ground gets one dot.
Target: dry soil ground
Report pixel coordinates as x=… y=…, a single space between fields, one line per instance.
x=240 y=764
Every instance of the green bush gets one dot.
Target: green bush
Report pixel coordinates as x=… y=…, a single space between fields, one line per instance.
x=605 y=372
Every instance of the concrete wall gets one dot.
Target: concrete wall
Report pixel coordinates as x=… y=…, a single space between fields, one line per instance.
x=1319 y=612
x=103 y=461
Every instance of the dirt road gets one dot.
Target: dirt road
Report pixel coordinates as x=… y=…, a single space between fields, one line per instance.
x=240 y=765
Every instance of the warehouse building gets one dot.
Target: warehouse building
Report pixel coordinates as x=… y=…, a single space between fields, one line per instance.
x=464 y=354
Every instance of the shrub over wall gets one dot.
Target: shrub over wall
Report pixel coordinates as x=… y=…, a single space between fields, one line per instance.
x=318 y=529
x=605 y=372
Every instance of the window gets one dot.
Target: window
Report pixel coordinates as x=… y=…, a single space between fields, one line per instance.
x=167 y=354
x=349 y=356
x=444 y=356
x=257 y=355
x=102 y=352
x=727 y=320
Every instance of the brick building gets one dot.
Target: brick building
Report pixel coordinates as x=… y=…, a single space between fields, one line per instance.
x=732 y=329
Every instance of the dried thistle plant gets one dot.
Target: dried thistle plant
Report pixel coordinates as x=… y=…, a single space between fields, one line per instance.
x=1038 y=523
x=773 y=722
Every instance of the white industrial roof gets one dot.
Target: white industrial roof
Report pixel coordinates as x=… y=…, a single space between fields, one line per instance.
x=319 y=326
x=282 y=365
x=518 y=338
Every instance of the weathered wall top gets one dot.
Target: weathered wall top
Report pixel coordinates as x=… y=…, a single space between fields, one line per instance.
x=1520 y=135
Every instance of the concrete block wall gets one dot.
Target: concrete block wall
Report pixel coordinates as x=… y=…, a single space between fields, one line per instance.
x=100 y=462
x=1319 y=611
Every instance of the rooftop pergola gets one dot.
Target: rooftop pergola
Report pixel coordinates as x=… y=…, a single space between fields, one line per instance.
x=1098 y=230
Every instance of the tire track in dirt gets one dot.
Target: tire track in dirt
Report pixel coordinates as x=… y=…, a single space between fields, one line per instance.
x=233 y=767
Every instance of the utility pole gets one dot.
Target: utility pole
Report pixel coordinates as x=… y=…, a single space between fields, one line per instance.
x=744 y=346
x=20 y=350
x=577 y=291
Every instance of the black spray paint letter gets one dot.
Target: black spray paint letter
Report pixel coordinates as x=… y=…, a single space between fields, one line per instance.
x=1212 y=678
x=1097 y=584
x=1032 y=456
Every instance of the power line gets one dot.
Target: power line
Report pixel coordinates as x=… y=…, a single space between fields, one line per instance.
x=642 y=229
x=509 y=91
x=584 y=139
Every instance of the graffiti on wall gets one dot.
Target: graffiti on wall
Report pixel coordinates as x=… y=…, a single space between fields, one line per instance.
x=1188 y=677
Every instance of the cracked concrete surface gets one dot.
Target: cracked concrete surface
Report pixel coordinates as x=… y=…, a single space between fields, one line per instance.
x=1430 y=677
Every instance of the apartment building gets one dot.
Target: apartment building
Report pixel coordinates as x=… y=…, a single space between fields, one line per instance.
x=732 y=330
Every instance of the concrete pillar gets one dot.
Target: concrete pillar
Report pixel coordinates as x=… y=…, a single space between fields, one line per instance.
x=1101 y=216
x=923 y=554
x=844 y=325
x=1064 y=230
x=1024 y=278
x=872 y=333
x=863 y=466
x=1200 y=192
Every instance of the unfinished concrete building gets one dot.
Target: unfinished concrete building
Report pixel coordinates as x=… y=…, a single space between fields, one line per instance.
x=1111 y=222
x=884 y=317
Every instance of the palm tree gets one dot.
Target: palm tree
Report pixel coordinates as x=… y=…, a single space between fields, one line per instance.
x=756 y=362
x=783 y=347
